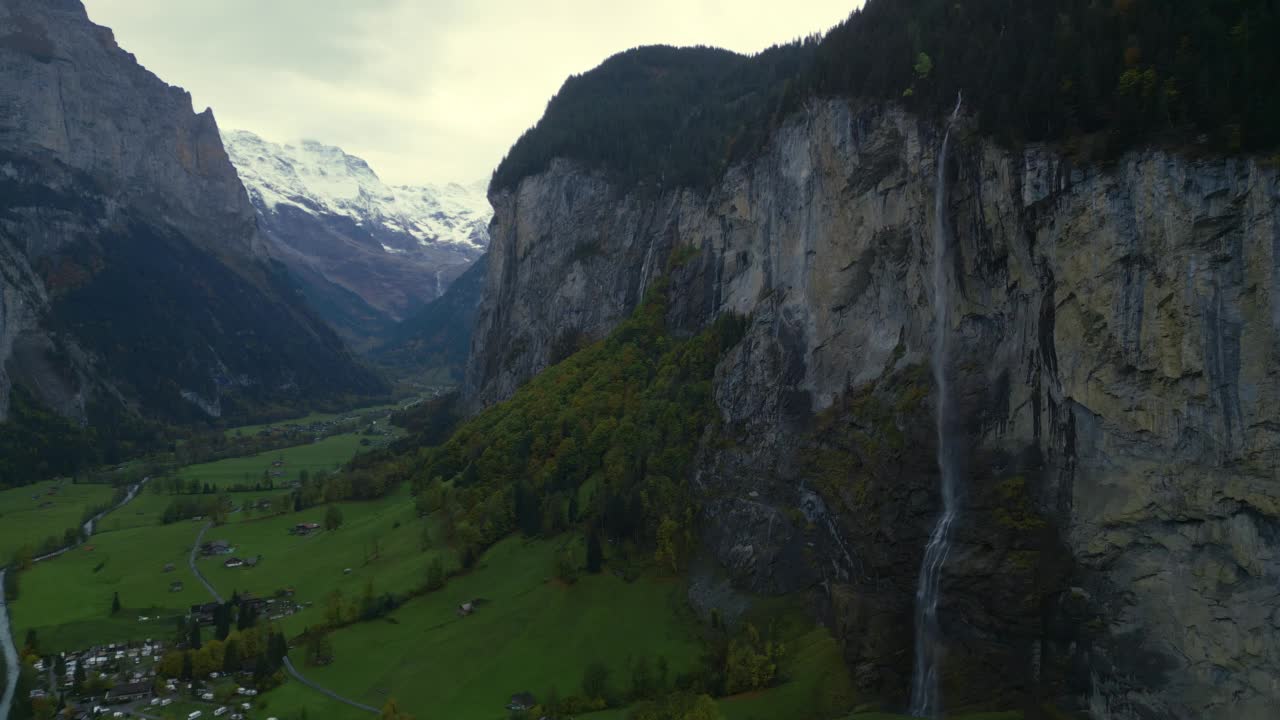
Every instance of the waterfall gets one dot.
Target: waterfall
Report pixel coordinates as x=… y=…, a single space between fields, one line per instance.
x=925 y=702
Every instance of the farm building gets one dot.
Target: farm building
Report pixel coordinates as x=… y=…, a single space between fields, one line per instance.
x=128 y=692
x=216 y=547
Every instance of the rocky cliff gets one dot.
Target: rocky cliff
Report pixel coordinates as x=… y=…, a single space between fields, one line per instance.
x=1115 y=341
x=367 y=254
x=131 y=266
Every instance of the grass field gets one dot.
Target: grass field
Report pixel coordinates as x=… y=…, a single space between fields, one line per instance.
x=532 y=633
x=68 y=600
x=323 y=456
x=149 y=506
x=310 y=419
x=302 y=420
x=313 y=565
x=24 y=521
x=288 y=700
x=145 y=509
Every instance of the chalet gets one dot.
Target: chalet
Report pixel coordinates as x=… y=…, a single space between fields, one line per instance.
x=305 y=528
x=168 y=567
x=466 y=609
x=277 y=463
x=233 y=562
x=128 y=692
x=521 y=702
x=216 y=547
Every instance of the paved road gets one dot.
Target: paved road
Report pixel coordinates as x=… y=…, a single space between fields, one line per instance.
x=10 y=654
x=191 y=560
x=325 y=691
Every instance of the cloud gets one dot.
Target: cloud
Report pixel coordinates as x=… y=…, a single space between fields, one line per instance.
x=431 y=90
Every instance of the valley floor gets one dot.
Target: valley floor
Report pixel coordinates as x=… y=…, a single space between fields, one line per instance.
x=528 y=631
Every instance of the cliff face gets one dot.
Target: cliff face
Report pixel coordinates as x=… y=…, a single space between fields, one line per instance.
x=1114 y=359
x=130 y=261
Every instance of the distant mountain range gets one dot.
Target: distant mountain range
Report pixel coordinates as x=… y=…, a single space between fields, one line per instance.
x=366 y=254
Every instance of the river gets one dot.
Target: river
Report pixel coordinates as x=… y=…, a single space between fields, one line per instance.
x=9 y=651
x=7 y=647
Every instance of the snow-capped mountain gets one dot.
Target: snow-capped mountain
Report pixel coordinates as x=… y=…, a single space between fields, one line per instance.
x=366 y=253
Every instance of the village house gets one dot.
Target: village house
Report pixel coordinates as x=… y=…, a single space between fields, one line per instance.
x=305 y=528
x=203 y=614
x=216 y=547
x=520 y=702
x=234 y=562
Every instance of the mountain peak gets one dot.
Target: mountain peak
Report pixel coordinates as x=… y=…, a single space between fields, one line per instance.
x=322 y=179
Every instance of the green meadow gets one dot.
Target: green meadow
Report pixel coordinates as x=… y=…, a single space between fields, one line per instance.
x=316 y=457
x=310 y=419
x=531 y=632
x=249 y=430
x=67 y=600
x=380 y=541
x=290 y=699
x=31 y=513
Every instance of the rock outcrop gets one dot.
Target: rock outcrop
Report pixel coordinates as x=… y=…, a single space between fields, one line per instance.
x=131 y=268
x=1115 y=350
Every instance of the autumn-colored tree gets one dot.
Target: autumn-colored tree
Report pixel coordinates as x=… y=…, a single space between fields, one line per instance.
x=392 y=711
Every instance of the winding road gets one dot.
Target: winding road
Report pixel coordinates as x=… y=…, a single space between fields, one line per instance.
x=325 y=691
x=191 y=560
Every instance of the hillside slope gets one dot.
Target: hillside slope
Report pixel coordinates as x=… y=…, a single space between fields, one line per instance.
x=134 y=277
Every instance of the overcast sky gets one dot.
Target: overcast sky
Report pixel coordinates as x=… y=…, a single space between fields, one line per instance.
x=425 y=90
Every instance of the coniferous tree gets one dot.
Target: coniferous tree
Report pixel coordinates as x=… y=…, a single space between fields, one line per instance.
x=595 y=554
x=193 y=635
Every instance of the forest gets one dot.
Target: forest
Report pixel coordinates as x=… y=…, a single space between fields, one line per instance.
x=602 y=442
x=1101 y=77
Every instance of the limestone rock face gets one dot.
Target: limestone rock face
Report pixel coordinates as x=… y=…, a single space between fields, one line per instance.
x=73 y=96
x=131 y=266
x=1115 y=344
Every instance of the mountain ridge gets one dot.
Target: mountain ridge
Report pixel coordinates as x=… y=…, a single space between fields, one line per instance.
x=367 y=254
x=134 y=279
